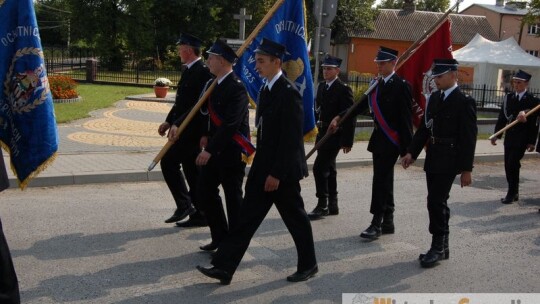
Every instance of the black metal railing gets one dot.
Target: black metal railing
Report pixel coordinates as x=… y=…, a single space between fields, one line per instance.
x=82 y=65
x=487 y=97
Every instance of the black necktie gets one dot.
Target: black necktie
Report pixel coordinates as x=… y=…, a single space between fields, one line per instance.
x=327 y=86
x=442 y=95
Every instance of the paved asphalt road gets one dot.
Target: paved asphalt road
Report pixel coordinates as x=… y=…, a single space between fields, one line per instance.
x=107 y=243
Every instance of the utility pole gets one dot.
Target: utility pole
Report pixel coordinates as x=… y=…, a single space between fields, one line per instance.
x=325 y=12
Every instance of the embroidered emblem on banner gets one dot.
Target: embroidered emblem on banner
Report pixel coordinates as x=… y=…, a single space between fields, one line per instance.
x=26 y=87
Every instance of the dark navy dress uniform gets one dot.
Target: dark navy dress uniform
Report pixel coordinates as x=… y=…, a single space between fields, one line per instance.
x=516 y=138
x=185 y=150
x=280 y=153
x=225 y=167
x=449 y=129
x=9 y=286
x=394 y=100
x=330 y=102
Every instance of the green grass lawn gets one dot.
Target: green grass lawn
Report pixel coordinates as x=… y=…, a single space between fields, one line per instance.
x=94 y=97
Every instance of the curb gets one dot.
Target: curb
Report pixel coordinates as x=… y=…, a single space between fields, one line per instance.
x=155 y=175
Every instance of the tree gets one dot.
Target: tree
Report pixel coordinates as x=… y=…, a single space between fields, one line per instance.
x=352 y=14
x=421 y=5
x=533 y=15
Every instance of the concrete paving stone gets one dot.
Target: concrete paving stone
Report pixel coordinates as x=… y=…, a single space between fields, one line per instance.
x=117 y=144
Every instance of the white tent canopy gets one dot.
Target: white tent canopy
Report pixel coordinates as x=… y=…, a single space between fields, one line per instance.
x=488 y=57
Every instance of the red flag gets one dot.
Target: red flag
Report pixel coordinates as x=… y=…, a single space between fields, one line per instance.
x=438 y=45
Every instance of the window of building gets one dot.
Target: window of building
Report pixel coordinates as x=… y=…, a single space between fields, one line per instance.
x=534 y=29
x=533 y=52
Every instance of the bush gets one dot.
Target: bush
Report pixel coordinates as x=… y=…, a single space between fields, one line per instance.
x=63 y=87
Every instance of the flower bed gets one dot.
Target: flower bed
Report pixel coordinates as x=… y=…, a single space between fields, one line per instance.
x=63 y=88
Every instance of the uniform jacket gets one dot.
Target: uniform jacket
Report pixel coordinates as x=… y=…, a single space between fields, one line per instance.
x=230 y=102
x=4 y=181
x=189 y=90
x=280 y=138
x=395 y=103
x=329 y=104
x=449 y=128
x=521 y=134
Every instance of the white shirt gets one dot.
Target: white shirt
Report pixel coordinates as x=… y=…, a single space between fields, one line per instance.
x=388 y=77
x=221 y=79
x=447 y=92
x=520 y=95
x=270 y=83
x=189 y=65
x=329 y=84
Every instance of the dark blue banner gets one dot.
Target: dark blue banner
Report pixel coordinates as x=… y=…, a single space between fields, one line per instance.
x=27 y=123
x=287 y=26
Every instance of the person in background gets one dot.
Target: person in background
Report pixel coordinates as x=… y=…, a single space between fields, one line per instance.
x=519 y=138
x=184 y=151
x=333 y=97
x=390 y=105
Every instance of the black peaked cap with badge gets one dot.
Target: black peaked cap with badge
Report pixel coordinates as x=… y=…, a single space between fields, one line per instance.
x=221 y=48
x=188 y=39
x=386 y=54
x=331 y=61
x=271 y=48
x=442 y=66
x=522 y=75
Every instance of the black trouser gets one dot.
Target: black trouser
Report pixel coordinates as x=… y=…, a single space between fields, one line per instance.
x=438 y=186
x=9 y=286
x=324 y=172
x=382 y=190
x=182 y=154
x=254 y=208
x=512 y=164
x=230 y=176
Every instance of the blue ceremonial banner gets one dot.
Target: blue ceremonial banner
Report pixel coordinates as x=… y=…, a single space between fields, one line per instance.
x=27 y=123
x=287 y=26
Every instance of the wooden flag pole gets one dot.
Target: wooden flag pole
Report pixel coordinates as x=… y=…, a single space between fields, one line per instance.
x=203 y=98
x=402 y=59
x=513 y=123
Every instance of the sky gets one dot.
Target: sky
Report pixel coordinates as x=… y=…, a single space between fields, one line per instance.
x=465 y=3
x=468 y=3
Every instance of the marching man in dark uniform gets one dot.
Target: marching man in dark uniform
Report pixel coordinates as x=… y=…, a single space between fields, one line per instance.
x=390 y=105
x=333 y=97
x=274 y=177
x=9 y=286
x=449 y=129
x=223 y=146
x=186 y=148
x=520 y=137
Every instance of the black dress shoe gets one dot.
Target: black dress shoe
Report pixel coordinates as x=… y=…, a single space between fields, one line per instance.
x=509 y=199
x=181 y=214
x=209 y=247
x=192 y=223
x=318 y=213
x=431 y=258
x=216 y=273
x=372 y=232
x=303 y=275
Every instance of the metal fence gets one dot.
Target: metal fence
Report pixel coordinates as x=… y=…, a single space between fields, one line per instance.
x=487 y=97
x=82 y=65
